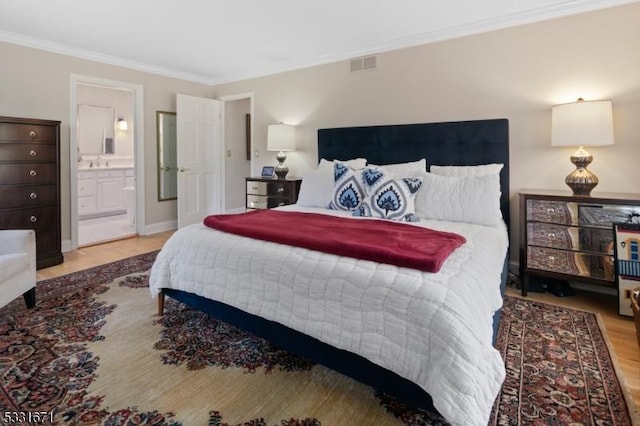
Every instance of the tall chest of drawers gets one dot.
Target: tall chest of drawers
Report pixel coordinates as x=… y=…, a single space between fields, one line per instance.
x=571 y=237
x=30 y=183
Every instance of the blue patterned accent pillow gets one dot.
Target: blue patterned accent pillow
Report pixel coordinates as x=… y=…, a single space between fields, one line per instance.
x=389 y=198
x=348 y=188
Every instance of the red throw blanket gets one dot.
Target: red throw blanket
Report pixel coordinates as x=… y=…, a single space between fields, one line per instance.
x=381 y=241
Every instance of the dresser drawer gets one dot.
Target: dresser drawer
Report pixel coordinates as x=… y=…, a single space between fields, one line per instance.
x=27 y=152
x=37 y=218
x=552 y=211
x=571 y=262
x=34 y=173
x=551 y=235
x=257 y=201
x=257 y=188
x=279 y=188
x=27 y=132
x=43 y=220
x=569 y=237
x=27 y=196
x=603 y=216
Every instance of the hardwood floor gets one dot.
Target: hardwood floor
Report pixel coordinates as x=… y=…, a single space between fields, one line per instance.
x=620 y=330
x=99 y=254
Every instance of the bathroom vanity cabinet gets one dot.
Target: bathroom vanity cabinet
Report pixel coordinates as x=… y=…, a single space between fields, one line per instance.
x=101 y=191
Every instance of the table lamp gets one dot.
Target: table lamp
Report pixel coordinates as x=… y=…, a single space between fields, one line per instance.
x=281 y=138
x=582 y=123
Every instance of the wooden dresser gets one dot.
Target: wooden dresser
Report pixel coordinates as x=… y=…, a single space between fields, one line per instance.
x=30 y=183
x=571 y=237
x=266 y=193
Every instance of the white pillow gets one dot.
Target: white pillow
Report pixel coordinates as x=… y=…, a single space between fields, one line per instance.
x=460 y=199
x=316 y=189
x=481 y=170
x=403 y=170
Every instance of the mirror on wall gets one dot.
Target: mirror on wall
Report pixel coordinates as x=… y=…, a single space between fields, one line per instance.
x=167 y=155
x=95 y=130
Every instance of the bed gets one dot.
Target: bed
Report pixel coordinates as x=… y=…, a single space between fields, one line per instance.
x=193 y=269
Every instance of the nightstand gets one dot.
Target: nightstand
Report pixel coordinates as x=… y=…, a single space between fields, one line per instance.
x=570 y=237
x=266 y=193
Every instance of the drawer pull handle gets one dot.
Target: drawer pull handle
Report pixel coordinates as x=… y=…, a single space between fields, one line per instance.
x=551 y=210
x=551 y=258
x=552 y=235
x=32 y=134
x=183 y=169
x=254 y=187
x=32 y=173
x=33 y=195
x=33 y=219
x=280 y=189
x=33 y=153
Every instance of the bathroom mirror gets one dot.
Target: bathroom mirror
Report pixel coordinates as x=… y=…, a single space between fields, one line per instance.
x=95 y=130
x=167 y=157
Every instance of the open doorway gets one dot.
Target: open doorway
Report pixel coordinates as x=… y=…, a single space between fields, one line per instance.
x=105 y=160
x=238 y=125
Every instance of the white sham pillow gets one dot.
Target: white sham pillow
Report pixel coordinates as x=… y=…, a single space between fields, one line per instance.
x=481 y=170
x=316 y=189
x=460 y=199
x=403 y=170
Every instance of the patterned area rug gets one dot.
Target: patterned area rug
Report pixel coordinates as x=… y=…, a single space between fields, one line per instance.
x=94 y=352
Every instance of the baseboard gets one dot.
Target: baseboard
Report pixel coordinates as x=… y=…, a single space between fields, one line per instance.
x=155 y=228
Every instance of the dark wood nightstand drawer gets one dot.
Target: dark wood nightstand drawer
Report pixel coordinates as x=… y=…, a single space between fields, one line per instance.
x=552 y=211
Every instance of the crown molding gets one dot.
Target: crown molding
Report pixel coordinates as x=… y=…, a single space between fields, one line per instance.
x=62 y=49
x=567 y=8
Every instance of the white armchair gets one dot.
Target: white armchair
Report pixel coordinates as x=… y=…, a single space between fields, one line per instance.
x=18 y=266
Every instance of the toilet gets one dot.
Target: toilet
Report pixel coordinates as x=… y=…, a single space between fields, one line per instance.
x=130 y=200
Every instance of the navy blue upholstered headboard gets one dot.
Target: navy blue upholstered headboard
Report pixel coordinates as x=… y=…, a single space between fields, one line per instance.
x=461 y=143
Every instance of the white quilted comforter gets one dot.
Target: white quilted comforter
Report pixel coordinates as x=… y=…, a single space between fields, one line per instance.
x=433 y=329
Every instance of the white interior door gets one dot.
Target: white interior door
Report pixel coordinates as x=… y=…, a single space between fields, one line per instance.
x=200 y=158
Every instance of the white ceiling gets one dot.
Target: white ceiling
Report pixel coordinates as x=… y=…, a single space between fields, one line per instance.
x=215 y=41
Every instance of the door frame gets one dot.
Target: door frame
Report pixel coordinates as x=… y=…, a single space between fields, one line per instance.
x=138 y=141
x=230 y=98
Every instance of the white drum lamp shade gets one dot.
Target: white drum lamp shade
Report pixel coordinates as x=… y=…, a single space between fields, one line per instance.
x=582 y=123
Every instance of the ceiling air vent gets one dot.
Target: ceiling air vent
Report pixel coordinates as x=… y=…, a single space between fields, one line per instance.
x=363 y=63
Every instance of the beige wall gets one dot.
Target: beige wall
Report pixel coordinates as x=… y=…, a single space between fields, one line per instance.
x=35 y=84
x=237 y=167
x=516 y=73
